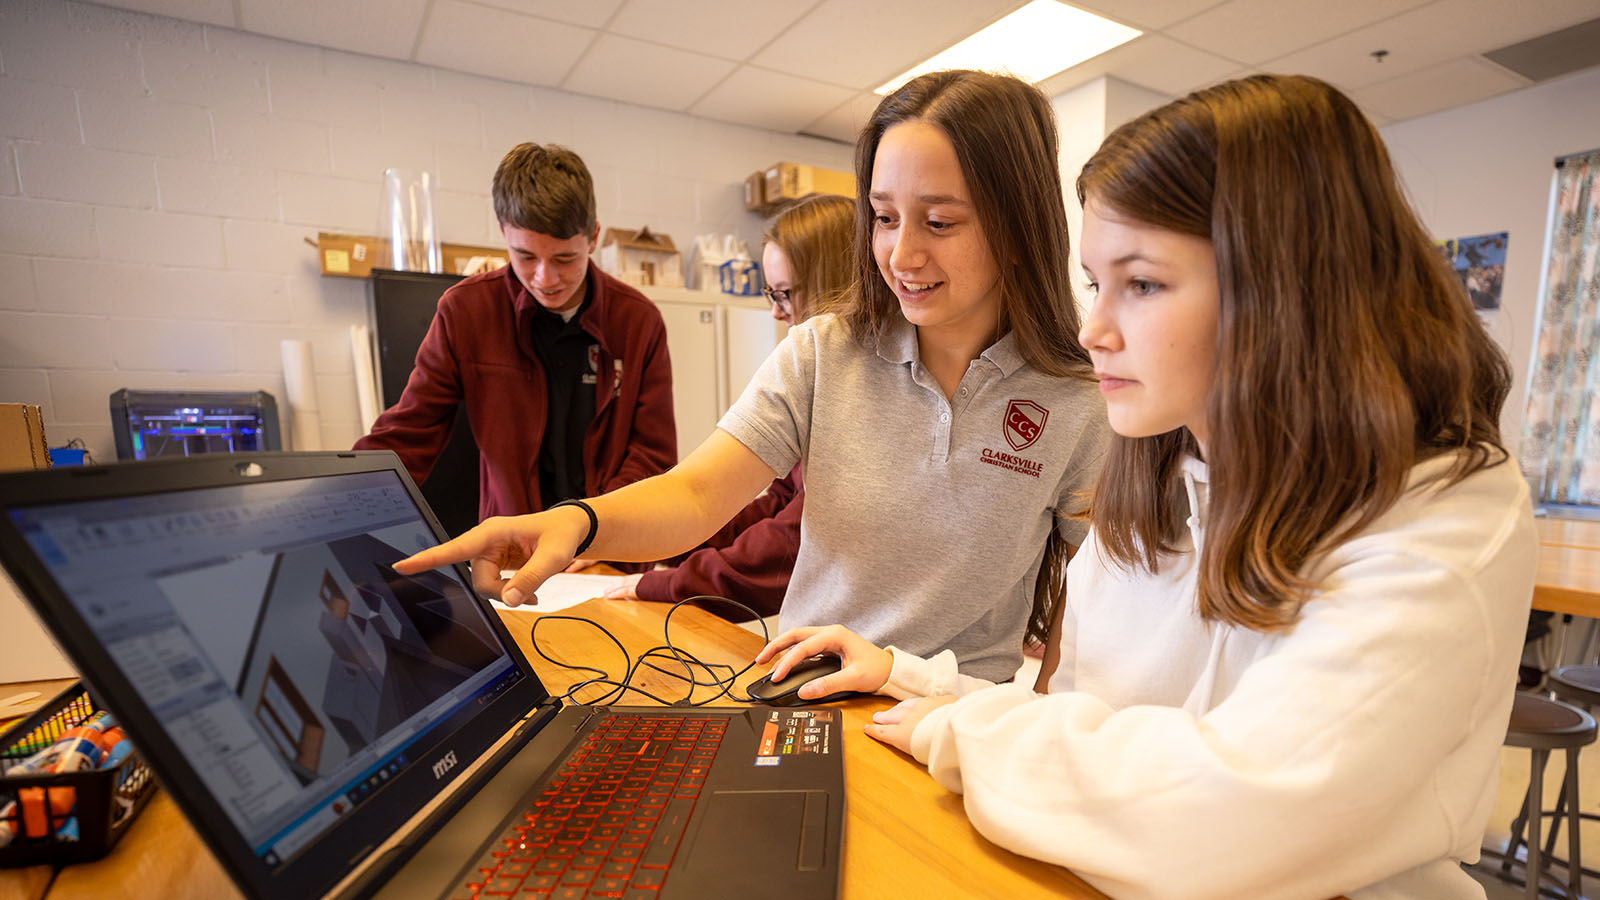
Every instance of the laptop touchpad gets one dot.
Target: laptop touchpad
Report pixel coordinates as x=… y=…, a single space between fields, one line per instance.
x=756 y=835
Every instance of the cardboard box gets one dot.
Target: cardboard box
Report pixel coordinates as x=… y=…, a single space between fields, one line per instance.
x=22 y=443
x=791 y=181
x=355 y=255
x=755 y=192
x=347 y=254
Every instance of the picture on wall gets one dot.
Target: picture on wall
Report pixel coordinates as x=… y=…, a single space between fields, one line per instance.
x=1480 y=263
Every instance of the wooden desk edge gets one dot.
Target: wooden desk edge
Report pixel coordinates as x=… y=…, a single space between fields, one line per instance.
x=1568 y=601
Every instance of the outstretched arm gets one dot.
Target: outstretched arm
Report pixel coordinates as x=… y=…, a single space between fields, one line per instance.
x=651 y=519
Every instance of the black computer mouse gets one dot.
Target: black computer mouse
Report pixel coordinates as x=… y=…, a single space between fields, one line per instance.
x=785 y=691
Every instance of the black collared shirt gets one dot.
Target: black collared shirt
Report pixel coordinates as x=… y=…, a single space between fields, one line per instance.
x=571 y=360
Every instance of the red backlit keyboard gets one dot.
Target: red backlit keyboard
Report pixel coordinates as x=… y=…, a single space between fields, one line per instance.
x=611 y=818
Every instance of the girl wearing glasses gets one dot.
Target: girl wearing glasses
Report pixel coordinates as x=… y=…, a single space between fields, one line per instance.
x=1289 y=646
x=948 y=421
x=806 y=261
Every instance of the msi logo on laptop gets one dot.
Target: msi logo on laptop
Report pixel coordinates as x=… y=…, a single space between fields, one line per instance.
x=445 y=764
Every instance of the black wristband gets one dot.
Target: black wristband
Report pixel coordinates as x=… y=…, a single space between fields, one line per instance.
x=594 y=524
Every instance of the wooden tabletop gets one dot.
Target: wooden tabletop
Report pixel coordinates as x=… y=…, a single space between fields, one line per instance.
x=1569 y=532
x=1568 y=579
x=905 y=836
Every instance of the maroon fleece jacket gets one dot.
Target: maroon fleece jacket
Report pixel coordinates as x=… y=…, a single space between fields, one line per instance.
x=479 y=348
x=749 y=560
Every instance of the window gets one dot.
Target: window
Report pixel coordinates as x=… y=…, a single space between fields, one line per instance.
x=1560 y=449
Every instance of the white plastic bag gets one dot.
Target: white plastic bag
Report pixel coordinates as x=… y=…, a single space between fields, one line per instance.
x=711 y=251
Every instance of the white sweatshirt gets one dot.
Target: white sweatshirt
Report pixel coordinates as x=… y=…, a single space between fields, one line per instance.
x=1355 y=754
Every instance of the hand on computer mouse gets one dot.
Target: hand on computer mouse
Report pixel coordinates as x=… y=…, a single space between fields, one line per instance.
x=785 y=691
x=864 y=666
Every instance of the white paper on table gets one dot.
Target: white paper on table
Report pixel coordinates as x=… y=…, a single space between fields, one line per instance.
x=563 y=590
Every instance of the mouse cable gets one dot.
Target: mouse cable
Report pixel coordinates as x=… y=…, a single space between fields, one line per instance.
x=683 y=658
x=721 y=676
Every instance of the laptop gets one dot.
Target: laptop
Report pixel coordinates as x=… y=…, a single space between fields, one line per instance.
x=332 y=728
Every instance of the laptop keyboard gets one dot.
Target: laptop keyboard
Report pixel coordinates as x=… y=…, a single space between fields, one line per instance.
x=609 y=822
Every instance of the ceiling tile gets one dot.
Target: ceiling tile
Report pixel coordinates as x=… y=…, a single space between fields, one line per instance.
x=731 y=29
x=1146 y=14
x=1413 y=42
x=1455 y=83
x=862 y=45
x=589 y=13
x=1253 y=31
x=768 y=99
x=484 y=41
x=209 y=12
x=1153 y=61
x=679 y=54
x=1496 y=23
x=844 y=122
x=1377 y=119
x=648 y=74
x=1428 y=35
x=379 y=27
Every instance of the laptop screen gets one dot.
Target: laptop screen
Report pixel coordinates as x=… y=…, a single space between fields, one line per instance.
x=295 y=671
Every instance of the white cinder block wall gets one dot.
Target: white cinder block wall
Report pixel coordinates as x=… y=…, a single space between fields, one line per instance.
x=158 y=179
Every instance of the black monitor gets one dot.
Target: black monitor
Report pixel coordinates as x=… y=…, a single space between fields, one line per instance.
x=403 y=306
x=148 y=424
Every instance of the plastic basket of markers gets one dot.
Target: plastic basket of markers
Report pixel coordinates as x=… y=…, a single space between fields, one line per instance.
x=70 y=783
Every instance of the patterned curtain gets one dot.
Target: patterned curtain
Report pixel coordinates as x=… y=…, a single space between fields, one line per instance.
x=1560 y=448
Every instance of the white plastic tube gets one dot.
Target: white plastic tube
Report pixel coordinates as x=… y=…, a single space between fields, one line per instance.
x=300 y=384
x=366 y=381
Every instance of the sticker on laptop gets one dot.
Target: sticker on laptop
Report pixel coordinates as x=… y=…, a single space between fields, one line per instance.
x=789 y=732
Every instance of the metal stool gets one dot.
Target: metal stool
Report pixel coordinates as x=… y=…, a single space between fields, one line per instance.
x=1540 y=725
x=1580 y=686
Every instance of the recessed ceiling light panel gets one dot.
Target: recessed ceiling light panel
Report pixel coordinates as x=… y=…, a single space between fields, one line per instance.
x=1033 y=43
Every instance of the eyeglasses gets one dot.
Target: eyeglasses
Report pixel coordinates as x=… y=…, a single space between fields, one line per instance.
x=779 y=299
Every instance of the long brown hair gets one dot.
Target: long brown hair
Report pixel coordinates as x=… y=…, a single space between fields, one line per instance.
x=1347 y=351
x=1004 y=135
x=814 y=234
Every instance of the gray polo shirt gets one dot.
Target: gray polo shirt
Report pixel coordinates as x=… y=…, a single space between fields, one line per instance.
x=925 y=519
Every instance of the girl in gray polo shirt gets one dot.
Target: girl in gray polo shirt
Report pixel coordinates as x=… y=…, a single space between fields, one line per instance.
x=948 y=423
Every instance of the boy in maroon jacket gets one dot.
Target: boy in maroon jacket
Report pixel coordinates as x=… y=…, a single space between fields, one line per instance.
x=564 y=369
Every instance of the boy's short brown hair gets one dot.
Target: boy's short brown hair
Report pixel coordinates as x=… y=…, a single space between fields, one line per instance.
x=546 y=189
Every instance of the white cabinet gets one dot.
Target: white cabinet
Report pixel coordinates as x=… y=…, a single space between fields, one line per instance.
x=717 y=341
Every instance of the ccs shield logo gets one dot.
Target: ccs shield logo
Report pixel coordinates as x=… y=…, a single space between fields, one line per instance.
x=1024 y=423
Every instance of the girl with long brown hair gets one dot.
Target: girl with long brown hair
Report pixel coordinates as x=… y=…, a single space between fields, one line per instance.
x=806 y=263
x=948 y=420
x=1289 y=643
